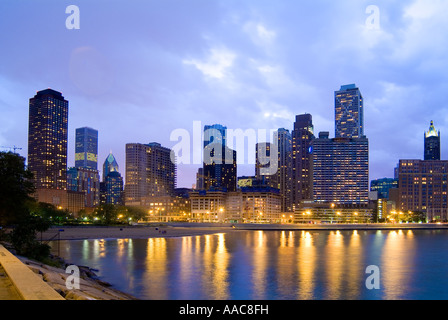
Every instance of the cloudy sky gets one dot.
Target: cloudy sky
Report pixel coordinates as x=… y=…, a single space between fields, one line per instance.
x=138 y=70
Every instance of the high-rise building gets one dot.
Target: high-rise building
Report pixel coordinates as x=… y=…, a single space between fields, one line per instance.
x=423 y=187
x=47 y=139
x=86 y=150
x=340 y=170
x=301 y=176
x=432 y=143
x=263 y=174
x=149 y=172
x=110 y=165
x=341 y=165
x=111 y=188
x=219 y=162
x=87 y=181
x=284 y=169
x=215 y=133
x=349 y=112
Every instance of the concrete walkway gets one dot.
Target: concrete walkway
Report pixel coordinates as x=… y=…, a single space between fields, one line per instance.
x=24 y=282
x=7 y=289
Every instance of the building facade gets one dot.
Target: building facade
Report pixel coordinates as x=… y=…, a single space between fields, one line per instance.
x=349 y=112
x=219 y=161
x=47 y=139
x=86 y=149
x=340 y=170
x=247 y=205
x=87 y=181
x=111 y=188
x=423 y=187
x=301 y=175
x=383 y=186
x=149 y=173
x=284 y=170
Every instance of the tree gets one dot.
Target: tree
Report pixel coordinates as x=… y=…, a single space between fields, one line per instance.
x=16 y=203
x=106 y=213
x=16 y=187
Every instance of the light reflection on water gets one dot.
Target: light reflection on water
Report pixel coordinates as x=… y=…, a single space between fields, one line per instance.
x=271 y=265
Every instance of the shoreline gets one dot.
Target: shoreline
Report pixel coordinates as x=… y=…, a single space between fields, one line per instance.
x=173 y=230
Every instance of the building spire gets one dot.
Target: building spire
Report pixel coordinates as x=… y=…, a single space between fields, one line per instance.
x=432 y=131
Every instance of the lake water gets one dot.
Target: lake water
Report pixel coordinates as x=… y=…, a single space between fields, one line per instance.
x=271 y=265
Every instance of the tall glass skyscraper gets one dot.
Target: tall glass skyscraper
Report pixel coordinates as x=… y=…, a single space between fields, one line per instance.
x=47 y=139
x=86 y=150
x=111 y=189
x=110 y=165
x=219 y=162
x=432 y=143
x=349 y=112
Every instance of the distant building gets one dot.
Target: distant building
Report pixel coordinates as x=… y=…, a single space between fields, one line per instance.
x=349 y=112
x=149 y=173
x=284 y=171
x=340 y=170
x=86 y=150
x=301 y=176
x=314 y=212
x=423 y=187
x=219 y=162
x=432 y=143
x=256 y=205
x=200 y=184
x=47 y=139
x=87 y=181
x=110 y=165
x=263 y=173
x=383 y=186
x=111 y=188
x=341 y=165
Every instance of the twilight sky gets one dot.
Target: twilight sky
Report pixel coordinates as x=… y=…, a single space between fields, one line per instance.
x=138 y=70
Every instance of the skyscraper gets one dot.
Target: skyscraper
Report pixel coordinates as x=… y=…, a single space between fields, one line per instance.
x=87 y=181
x=219 y=162
x=110 y=165
x=86 y=150
x=340 y=170
x=432 y=143
x=111 y=188
x=349 y=112
x=262 y=164
x=284 y=170
x=149 y=172
x=47 y=139
x=302 y=136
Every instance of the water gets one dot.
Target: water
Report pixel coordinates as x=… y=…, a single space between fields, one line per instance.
x=272 y=265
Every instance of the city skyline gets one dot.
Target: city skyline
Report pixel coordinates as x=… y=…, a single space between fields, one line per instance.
x=251 y=65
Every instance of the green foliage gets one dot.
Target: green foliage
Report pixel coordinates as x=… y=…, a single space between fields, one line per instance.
x=17 y=207
x=16 y=186
x=23 y=237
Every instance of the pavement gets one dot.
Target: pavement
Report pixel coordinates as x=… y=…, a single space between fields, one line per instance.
x=7 y=289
